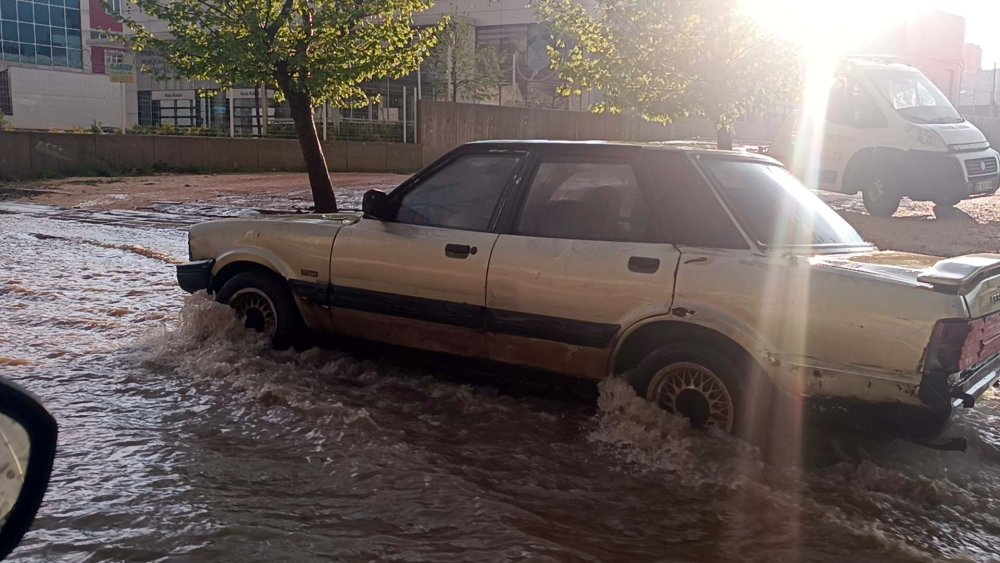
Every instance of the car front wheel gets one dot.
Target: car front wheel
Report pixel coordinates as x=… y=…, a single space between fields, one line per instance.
x=264 y=304
x=707 y=386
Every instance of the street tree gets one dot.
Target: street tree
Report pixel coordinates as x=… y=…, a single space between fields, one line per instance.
x=458 y=69
x=667 y=59
x=315 y=51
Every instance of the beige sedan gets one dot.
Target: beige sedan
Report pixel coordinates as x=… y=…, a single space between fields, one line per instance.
x=713 y=281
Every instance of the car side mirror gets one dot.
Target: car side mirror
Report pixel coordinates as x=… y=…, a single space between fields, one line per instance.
x=27 y=448
x=376 y=205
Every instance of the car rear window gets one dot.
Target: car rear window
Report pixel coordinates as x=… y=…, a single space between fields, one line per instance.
x=775 y=208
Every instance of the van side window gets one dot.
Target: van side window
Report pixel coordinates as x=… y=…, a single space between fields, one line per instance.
x=585 y=201
x=849 y=104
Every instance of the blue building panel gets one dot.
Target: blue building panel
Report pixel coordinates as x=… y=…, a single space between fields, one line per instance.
x=42 y=32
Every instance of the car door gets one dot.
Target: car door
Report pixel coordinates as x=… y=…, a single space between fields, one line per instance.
x=419 y=279
x=583 y=257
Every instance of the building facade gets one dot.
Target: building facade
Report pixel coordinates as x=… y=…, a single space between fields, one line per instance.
x=53 y=61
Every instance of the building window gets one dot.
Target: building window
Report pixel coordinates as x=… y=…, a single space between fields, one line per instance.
x=115 y=7
x=41 y=33
x=6 y=101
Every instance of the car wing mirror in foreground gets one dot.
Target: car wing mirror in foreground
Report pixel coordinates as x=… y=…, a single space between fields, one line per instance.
x=376 y=205
x=27 y=449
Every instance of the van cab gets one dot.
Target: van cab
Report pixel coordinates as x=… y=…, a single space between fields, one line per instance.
x=889 y=132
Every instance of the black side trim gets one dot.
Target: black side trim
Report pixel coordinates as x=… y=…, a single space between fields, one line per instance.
x=568 y=331
x=311 y=291
x=195 y=276
x=419 y=308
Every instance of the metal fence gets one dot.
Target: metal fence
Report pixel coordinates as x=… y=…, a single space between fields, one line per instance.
x=6 y=103
x=389 y=117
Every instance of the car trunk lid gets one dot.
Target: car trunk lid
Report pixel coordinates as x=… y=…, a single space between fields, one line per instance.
x=976 y=277
x=902 y=267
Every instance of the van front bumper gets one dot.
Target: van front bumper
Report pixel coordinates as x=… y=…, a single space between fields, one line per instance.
x=931 y=175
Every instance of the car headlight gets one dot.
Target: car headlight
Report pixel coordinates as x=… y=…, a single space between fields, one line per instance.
x=925 y=136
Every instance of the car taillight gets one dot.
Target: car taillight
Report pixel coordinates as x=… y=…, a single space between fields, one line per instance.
x=944 y=353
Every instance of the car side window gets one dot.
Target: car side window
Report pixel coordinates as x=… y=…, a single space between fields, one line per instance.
x=461 y=195
x=585 y=201
x=691 y=213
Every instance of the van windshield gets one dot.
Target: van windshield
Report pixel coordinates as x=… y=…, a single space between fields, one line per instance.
x=775 y=208
x=913 y=96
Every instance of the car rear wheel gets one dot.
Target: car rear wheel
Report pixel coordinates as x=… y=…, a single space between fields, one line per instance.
x=879 y=197
x=707 y=386
x=264 y=304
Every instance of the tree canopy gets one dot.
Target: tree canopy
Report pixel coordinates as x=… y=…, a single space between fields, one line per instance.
x=666 y=59
x=459 y=69
x=314 y=51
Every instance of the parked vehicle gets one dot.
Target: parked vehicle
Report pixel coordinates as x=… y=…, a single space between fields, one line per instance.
x=888 y=133
x=709 y=280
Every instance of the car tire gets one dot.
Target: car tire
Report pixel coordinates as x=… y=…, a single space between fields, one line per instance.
x=264 y=303
x=708 y=386
x=881 y=200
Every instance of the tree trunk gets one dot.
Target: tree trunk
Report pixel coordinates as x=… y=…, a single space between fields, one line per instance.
x=312 y=151
x=724 y=138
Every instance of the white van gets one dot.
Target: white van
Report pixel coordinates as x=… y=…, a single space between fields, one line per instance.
x=889 y=132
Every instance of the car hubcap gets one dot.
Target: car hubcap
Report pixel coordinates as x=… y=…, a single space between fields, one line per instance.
x=255 y=310
x=694 y=392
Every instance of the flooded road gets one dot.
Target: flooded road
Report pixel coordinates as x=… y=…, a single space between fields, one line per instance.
x=183 y=437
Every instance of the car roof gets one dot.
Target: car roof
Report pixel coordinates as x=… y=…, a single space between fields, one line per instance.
x=691 y=147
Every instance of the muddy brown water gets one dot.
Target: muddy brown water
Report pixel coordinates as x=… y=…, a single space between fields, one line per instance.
x=184 y=438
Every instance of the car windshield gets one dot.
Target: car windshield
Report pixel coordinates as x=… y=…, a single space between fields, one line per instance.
x=775 y=208
x=913 y=96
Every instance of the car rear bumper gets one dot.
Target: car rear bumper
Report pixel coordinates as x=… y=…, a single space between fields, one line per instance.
x=965 y=390
x=941 y=397
x=195 y=276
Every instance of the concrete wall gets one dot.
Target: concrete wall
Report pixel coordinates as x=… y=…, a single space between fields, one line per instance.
x=29 y=154
x=445 y=125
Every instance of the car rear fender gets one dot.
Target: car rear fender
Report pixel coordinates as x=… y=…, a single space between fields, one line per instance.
x=705 y=317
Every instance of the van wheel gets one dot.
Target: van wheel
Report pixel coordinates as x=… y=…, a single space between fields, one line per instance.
x=947 y=200
x=879 y=197
x=707 y=386
x=264 y=303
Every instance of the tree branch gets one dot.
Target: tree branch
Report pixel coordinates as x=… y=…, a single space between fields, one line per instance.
x=272 y=30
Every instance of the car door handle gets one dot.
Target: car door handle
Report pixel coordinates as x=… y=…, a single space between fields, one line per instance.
x=458 y=250
x=642 y=265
